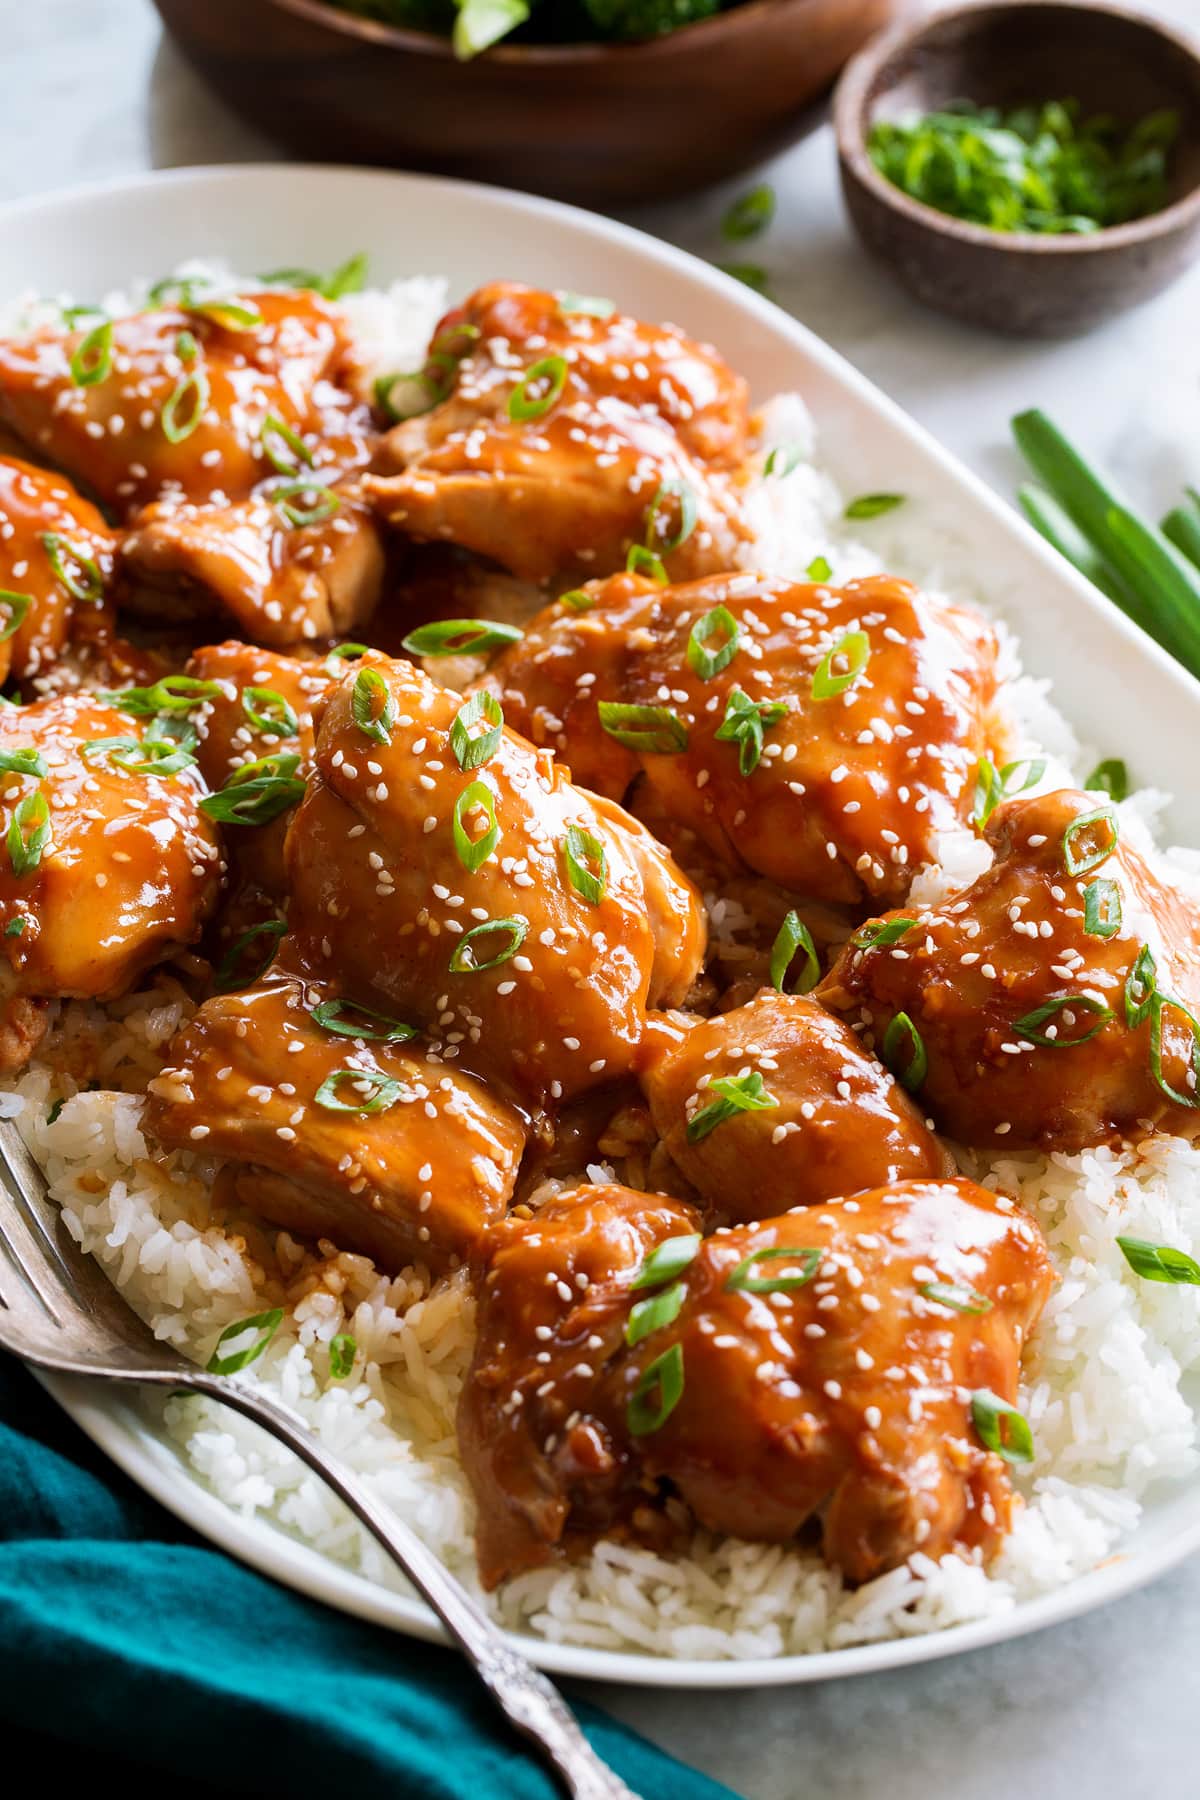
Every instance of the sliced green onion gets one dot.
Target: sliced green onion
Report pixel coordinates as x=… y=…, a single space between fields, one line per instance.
x=655 y=1311
x=591 y=304
x=1110 y=777
x=1141 y=985
x=656 y=538
x=957 y=1298
x=14 y=608
x=141 y=756
x=744 y=724
x=667 y=1261
x=550 y=371
x=474 y=852
x=84 y=580
x=186 y=347
x=322 y=503
x=185 y=406
x=228 y=976
x=28 y=833
x=853 y=651
x=576 y=600
x=472 y=752
x=1085 y=860
x=580 y=848
x=1160 y=1003
x=735 y=1094
x=705 y=662
x=1030 y=1027
x=750 y=214
x=408 y=395
x=230 y=314
x=257 y=792
x=794 y=935
x=657 y=1394
x=23 y=762
x=993 y=785
x=330 y=1016
x=1101 y=908
x=269 y=712
x=751 y=275
x=373 y=706
x=1001 y=1427
x=342 y=654
x=741 y=1281
x=263 y=1324
x=342 y=1352
x=92 y=362
x=877 y=934
x=654 y=730
x=382 y=1092
x=641 y=561
x=15 y=927
x=819 y=569
x=460 y=637
x=1159 y=1262
x=349 y=278
x=783 y=459
x=464 y=961
x=899 y=1034
x=301 y=456
x=170 y=694
x=870 y=506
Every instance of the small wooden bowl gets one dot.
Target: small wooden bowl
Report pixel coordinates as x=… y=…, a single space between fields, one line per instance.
x=1112 y=61
x=606 y=124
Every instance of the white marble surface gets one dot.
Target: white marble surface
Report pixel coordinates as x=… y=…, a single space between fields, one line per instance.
x=1105 y=1706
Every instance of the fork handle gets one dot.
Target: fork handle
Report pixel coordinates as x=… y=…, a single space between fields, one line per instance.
x=530 y=1702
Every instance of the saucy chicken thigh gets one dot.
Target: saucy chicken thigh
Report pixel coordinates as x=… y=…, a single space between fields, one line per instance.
x=56 y=557
x=187 y=400
x=1051 y=1005
x=823 y=1365
x=339 y=1124
x=823 y=737
x=776 y=1105
x=446 y=870
x=566 y=433
x=108 y=866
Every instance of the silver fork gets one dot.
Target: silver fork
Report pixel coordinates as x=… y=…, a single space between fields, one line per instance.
x=59 y=1310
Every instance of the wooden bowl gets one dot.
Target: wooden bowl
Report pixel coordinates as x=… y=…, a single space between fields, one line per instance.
x=1112 y=61
x=596 y=123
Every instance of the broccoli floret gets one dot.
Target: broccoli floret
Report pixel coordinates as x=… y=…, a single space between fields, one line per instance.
x=647 y=18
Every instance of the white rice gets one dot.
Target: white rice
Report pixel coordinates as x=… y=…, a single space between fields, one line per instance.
x=1102 y=1387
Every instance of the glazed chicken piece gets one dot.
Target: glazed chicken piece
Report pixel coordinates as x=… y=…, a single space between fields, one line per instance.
x=179 y=402
x=827 y=752
x=776 y=1105
x=263 y=706
x=56 y=556
x=535 y=967
x=106 y=868
x=570 y=657
x=1052 y=1004
x=370 y=1140
x=550 y=1469
x=281 y=580
x=559 y=429
x=768 y=1390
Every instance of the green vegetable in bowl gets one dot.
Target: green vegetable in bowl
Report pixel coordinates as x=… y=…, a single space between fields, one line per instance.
x=474 y=25
x=1035 y=168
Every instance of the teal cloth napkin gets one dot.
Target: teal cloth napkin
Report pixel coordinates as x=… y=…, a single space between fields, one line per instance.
x=126 y=1639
